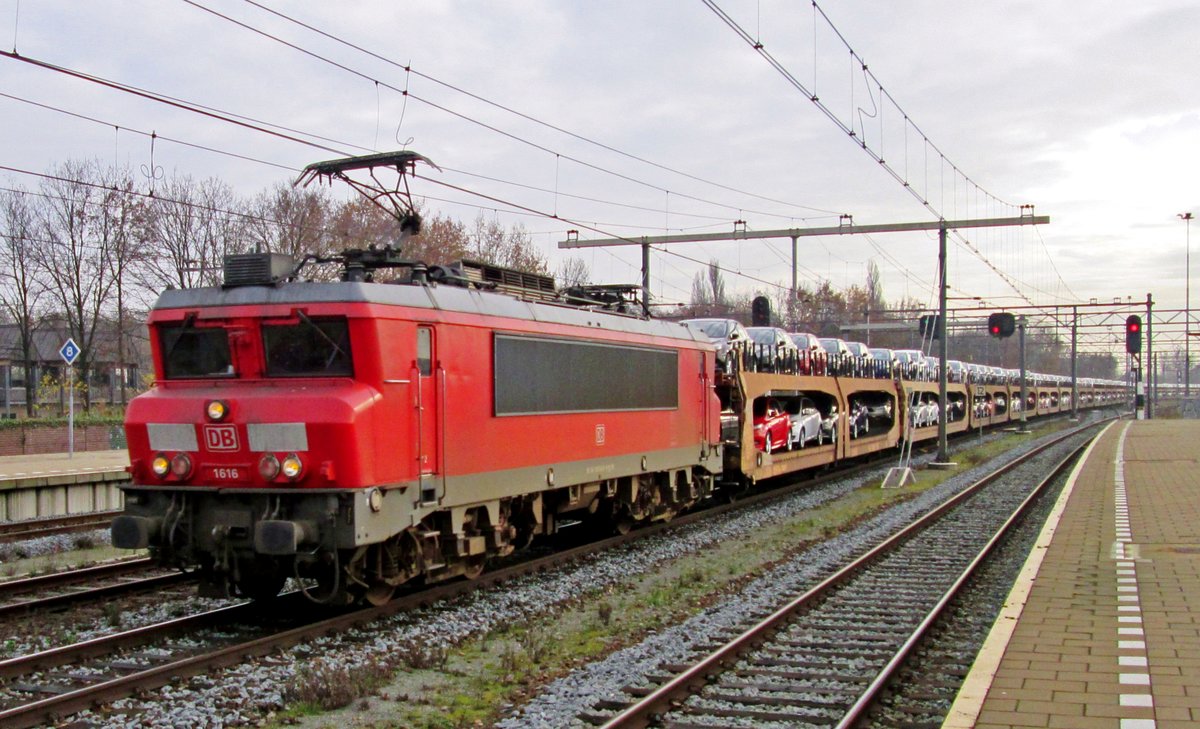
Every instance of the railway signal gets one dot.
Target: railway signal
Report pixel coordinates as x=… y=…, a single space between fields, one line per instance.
x=1001 y=324
x=928 y=325
x=760 y=312
x=1133 y=334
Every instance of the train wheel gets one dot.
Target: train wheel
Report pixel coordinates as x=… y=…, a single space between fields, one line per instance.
x=622 y=522
x=473 y=568
x=379 y=594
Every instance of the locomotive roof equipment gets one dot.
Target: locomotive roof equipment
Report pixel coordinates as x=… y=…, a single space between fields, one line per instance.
x=398 y=202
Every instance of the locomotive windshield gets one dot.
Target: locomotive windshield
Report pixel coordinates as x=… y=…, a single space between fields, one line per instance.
x=310 y=348
x=189 y=351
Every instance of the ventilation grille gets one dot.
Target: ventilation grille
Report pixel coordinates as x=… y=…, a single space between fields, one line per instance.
x=257 y=269
x=509 y=280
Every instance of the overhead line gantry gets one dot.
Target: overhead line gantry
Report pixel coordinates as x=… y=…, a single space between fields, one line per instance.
x=847 y=227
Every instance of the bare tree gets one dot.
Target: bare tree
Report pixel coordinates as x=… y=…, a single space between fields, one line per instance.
x=708 y=292
x=187 y=233
x=573 y=272
x=20 y=289
x=286 y=219
x=513 y=248
x=360 y=223
x=88 y=216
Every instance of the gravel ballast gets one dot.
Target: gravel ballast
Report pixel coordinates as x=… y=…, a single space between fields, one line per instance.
x=249 y=693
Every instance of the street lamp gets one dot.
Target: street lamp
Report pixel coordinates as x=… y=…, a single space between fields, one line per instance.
x=1187 y=325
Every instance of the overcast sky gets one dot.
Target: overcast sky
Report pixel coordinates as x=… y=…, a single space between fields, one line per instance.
x=1089 y=111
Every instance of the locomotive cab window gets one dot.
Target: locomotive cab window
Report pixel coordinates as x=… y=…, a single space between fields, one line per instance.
x=308 y=348
x=190 y=351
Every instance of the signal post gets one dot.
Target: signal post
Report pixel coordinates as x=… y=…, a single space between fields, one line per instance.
x=1133 y=345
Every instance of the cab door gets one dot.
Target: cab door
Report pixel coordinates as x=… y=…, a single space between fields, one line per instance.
x=428 y=408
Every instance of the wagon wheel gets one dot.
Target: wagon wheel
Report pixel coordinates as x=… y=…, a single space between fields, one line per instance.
x=379 y=594
x=623 y=523
x=474 y=567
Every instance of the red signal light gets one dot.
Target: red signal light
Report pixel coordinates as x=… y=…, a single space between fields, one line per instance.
x=1002 y=324
x=1133 y=334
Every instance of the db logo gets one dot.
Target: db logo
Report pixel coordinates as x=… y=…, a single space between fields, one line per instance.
x=221 y=437
x=600 y=434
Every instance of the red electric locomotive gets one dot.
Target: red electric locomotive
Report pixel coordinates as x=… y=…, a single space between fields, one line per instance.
x=363 y=434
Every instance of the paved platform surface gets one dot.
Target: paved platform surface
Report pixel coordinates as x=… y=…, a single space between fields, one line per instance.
x=55 y=466
x=1102 y=630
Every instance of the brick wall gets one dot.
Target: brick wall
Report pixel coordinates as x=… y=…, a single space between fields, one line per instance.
x=27 y=441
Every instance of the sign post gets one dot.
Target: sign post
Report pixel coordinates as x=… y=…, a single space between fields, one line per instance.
x=70 y=352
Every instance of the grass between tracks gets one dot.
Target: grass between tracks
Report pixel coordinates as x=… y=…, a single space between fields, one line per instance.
x=477 y=682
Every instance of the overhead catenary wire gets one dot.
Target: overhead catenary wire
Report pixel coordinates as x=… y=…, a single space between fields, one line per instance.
x=292 y=169
x=550 y=216
x=528 y=117
x=209 y=112
x=256 y=125
x=484 y=125
x=229 y=118
x=757 y=45
x=133 y=130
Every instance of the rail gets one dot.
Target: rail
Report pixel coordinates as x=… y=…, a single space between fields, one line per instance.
x=699 y=674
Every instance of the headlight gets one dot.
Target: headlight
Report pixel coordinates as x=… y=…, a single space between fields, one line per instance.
x=181 y=465
x=268 y=466
x=216 y=410
x=161 y=465
x=292 y=467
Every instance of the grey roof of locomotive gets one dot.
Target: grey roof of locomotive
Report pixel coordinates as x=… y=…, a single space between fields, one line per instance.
x=439 y=297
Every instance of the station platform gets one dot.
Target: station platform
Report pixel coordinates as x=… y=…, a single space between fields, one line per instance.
x=1102 y=629
x=49 y=485
x=53 y=466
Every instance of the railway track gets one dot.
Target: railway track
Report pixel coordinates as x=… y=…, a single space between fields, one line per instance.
x=16 y=531
x=823 y=658
x=52 y=684
x=73 y=587
x=44 y=686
